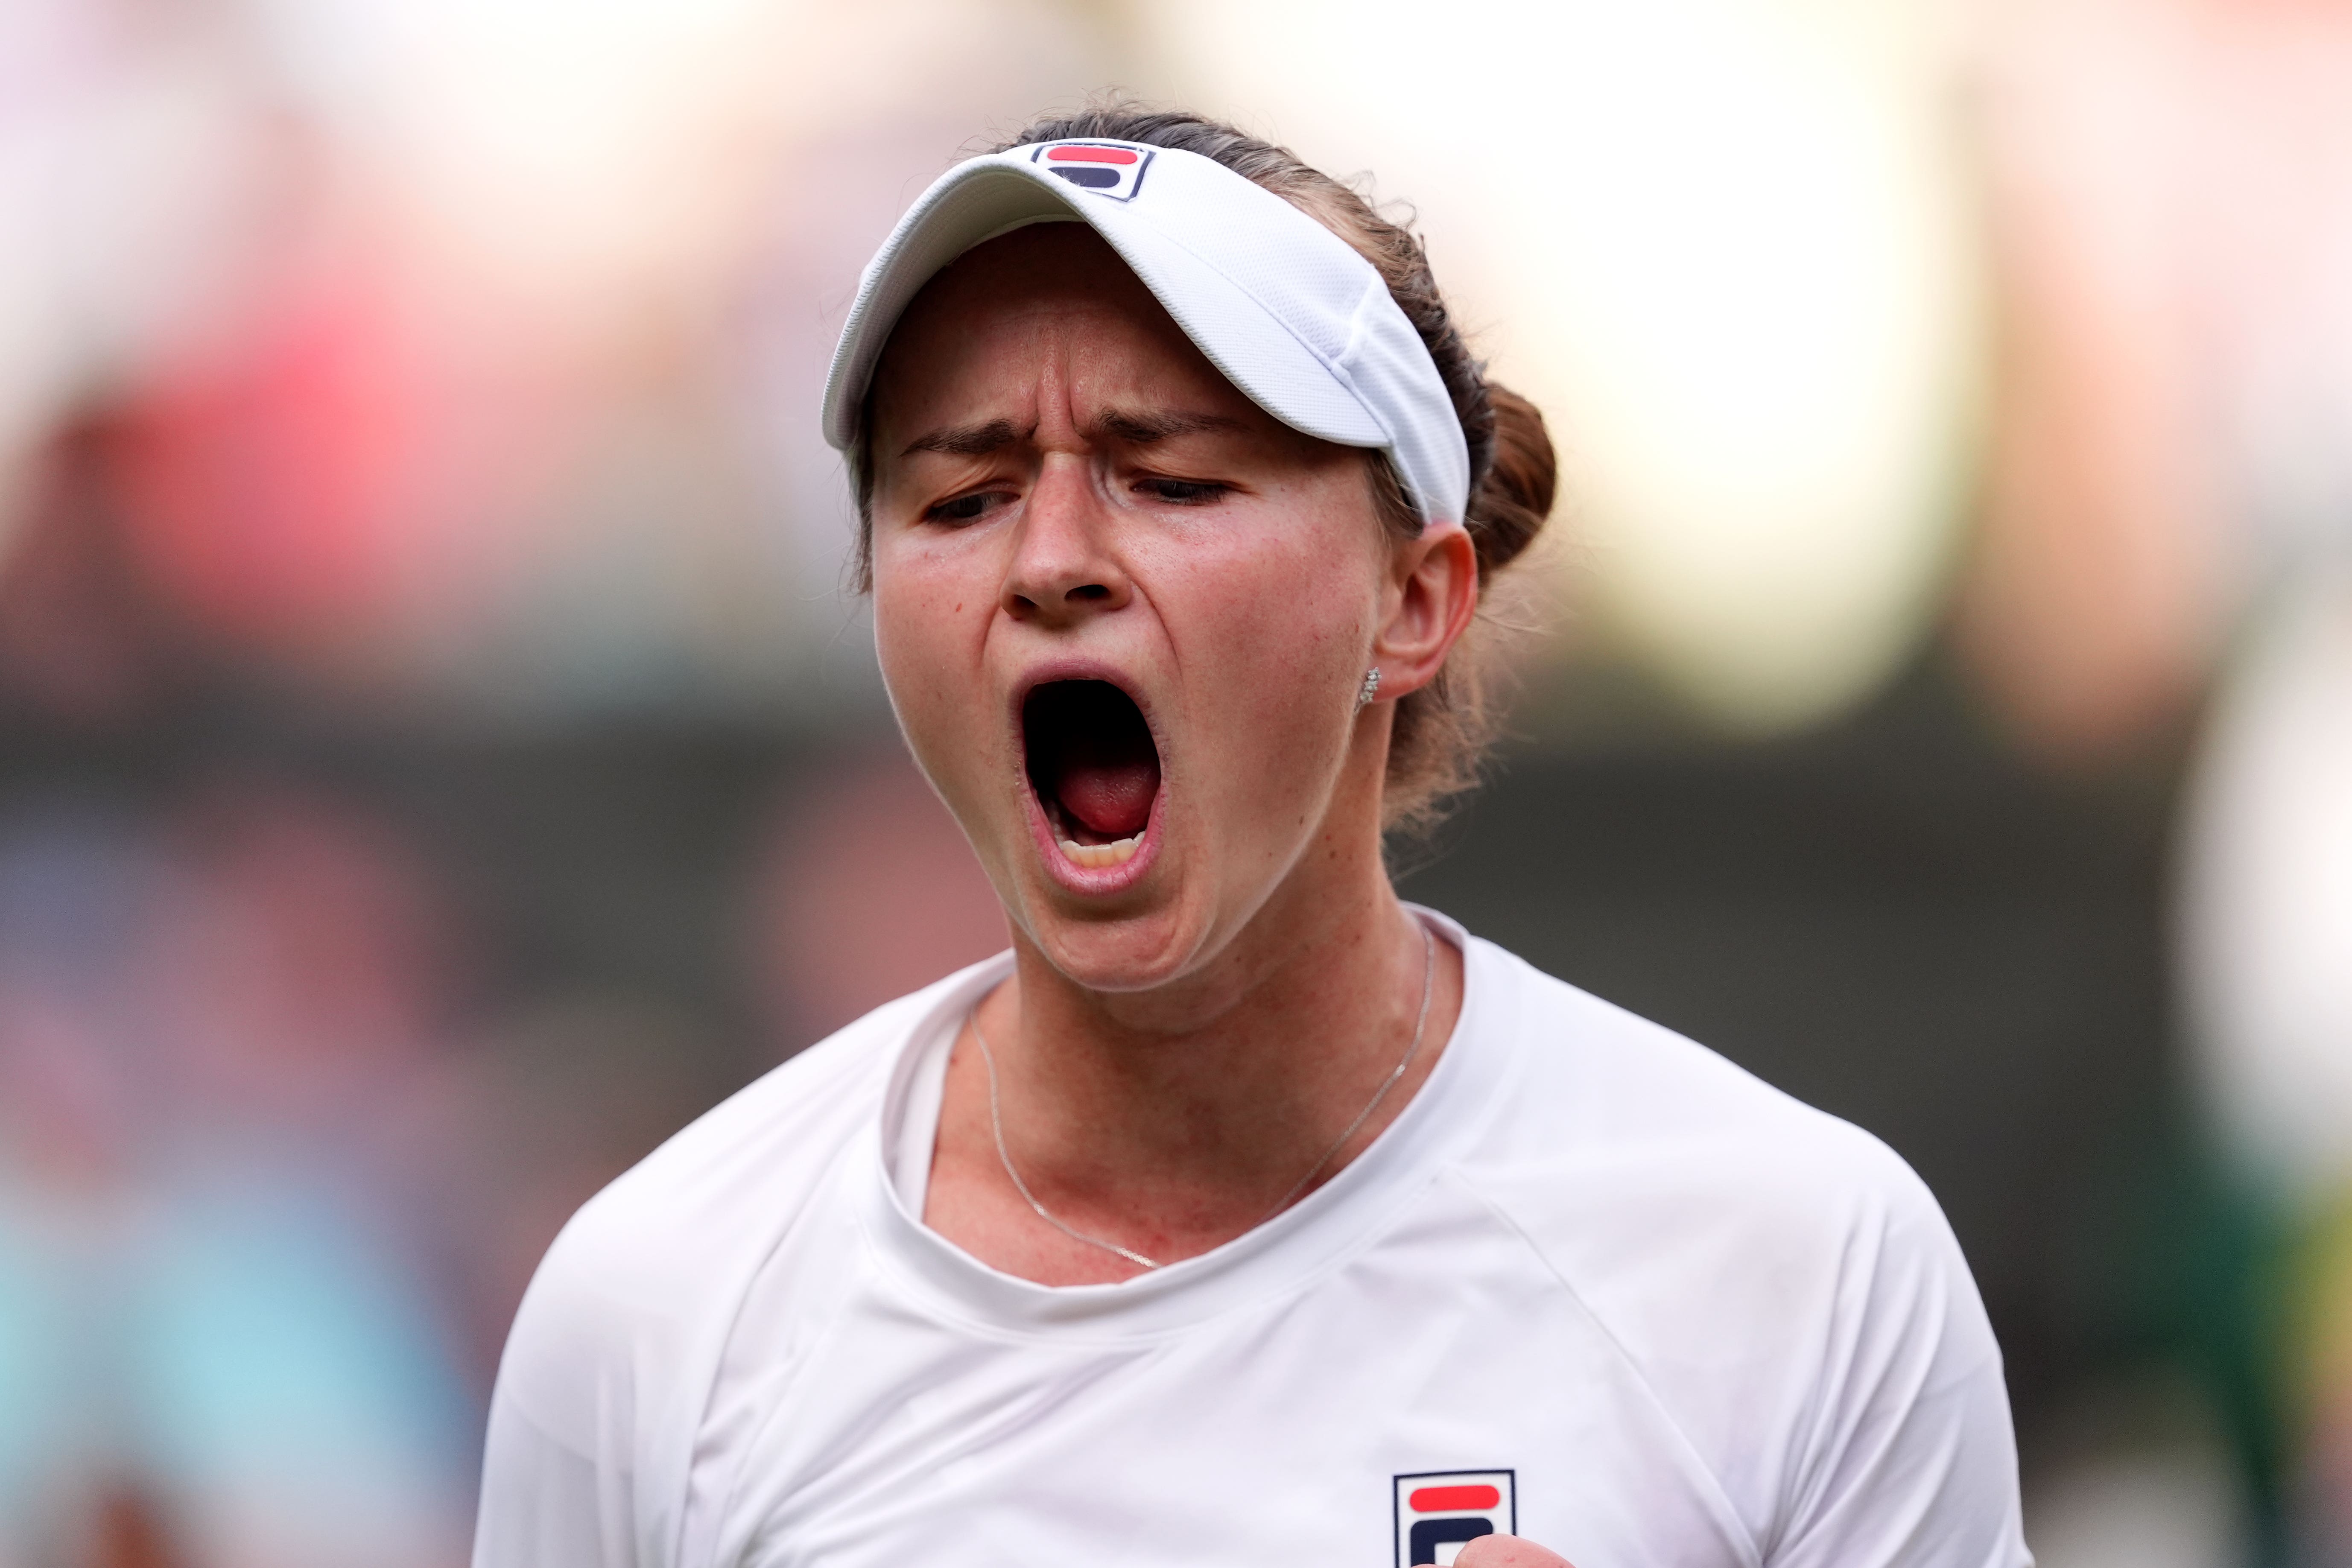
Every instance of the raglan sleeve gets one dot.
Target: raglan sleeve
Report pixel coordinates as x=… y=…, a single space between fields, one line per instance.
x=559 y=1483
x=1908 y=1458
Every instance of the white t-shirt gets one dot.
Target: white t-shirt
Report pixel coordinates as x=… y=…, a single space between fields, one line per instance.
x=1594 y=1285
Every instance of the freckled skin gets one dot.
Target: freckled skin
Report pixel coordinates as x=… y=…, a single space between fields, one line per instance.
x=1175 y=1053
x=1250 y=618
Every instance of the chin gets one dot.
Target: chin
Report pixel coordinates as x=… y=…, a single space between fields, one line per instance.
x=1133 y=951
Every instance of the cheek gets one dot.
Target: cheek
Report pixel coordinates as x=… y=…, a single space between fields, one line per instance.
x=1283 y=625
x=1301 y=585
x=1273 y=629
x=924 y=632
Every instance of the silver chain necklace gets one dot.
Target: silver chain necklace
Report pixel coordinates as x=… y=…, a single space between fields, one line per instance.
x=996 y=1120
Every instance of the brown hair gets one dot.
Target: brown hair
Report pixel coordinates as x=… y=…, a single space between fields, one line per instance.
x=1441 y=732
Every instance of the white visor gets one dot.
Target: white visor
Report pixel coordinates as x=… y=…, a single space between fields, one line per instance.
x=1281 y=305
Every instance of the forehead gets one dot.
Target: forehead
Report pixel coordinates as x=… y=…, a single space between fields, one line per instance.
x=1054 y=288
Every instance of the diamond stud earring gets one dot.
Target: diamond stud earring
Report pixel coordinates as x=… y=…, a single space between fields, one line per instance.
x=1371 y=689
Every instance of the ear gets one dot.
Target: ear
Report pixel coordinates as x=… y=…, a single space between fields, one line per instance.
x=1433 y=592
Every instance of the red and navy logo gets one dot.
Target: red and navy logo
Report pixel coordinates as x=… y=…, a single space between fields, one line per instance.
x=1106 y=168
x=1439 y=1512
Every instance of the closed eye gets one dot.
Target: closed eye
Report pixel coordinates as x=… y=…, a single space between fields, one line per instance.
x=1182 y=493
x=959 y=509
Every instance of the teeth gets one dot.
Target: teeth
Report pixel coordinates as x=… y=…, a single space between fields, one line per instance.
x=1118 y=852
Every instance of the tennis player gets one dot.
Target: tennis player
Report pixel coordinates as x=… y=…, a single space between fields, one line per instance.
x=1241 y=1212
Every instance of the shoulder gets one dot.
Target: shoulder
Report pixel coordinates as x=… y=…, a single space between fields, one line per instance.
x=1700 y=1209
x=1778 y=1279
x=621 y=1333
x=644 y=1274
x=1598 y=1084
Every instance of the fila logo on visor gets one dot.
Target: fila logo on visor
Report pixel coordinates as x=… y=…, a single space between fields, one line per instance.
x=1106 y=168
x=1438 y=1513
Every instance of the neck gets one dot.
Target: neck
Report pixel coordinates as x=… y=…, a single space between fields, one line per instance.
x=1169 y=1121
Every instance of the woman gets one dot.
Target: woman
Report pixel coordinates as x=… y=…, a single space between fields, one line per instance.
x=1242 y=1212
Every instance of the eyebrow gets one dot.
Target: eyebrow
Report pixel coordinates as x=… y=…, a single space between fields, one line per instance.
x=965 y=440
x=1134 y=428
x=1142 y=429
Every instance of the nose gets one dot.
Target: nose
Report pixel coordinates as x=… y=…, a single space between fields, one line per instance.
x=1063 y=568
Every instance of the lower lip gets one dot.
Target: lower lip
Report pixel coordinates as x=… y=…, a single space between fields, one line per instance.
x=1095 y=881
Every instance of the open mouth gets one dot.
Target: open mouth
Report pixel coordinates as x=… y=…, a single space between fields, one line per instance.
x=1093 y=767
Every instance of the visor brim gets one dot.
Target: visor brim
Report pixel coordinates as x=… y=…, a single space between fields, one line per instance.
x=1249 y=345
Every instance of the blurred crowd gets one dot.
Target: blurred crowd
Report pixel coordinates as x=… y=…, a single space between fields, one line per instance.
x=276 y=1159
x=438 y=757
x=215 y=1295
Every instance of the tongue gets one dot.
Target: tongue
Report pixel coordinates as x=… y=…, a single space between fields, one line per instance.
x=1112 y=798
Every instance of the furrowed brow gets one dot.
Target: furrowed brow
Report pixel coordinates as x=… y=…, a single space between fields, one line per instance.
x=965 y=440
x=1140 y=429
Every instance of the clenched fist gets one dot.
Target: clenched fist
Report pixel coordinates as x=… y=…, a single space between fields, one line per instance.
x=1507 y=1551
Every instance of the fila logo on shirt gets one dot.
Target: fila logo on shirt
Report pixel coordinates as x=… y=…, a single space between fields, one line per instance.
x=1438 y=1511
x=1106 y=168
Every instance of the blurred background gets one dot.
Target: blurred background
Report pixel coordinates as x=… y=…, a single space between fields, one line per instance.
x=439 y=758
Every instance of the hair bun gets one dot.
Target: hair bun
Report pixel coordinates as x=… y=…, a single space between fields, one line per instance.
x=1514 y=497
